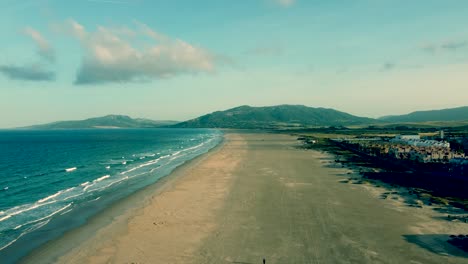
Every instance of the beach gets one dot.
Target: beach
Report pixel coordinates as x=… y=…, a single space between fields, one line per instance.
x=259 y=196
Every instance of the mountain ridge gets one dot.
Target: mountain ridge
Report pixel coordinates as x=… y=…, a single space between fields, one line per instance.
x=107 y=121
x=252 y=117
x=272 y=116
x=447 y=114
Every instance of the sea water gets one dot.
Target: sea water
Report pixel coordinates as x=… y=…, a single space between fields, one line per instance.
x=51 y=181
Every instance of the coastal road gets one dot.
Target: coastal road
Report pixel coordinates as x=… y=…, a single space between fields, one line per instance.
x=289 y=205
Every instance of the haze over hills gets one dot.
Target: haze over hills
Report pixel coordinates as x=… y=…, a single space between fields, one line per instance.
x=109 y=121
x=450 y=114
x=264 y=117
x=274 y=116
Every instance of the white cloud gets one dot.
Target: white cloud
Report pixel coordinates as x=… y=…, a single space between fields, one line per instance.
x=111 y=55
x=44 y=49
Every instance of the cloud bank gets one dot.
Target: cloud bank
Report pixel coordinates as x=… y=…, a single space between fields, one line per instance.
x=126 y=55
x=37 y=71
x=27 y=73
x=453 y=45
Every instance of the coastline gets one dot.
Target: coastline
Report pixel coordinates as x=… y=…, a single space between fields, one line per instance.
x=261 y=196
x=115 y=216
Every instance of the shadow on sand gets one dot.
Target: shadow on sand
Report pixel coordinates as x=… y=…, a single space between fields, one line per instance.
x=437 y=244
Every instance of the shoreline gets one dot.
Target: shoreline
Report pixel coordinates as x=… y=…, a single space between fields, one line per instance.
x=262 y=196
x=117 y=214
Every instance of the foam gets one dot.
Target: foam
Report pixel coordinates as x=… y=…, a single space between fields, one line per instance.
x=55 y=195
x=102 y=178
x=66 y=212
x=87 y=186
x=45 y=217
x=34 y=206
x=13 y=241
x=39 y=225
x=73 y=196
x=50 y=197
x=84 y=183
x=151 y=162
x=96 y=199
x=70 y=169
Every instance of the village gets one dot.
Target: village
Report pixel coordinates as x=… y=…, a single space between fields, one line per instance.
x=408 y=147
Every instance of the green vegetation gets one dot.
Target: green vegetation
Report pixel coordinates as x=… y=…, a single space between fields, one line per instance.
x=109 y=121
x=292 y=117
x=452 y=114
x=282 y=116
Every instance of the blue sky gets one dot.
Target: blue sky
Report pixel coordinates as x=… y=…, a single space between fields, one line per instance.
x=179 y=59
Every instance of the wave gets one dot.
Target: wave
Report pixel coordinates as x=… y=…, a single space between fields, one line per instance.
x=84 y=183
x=26 y=209
x=116 y=162
x=64 y=201
x=45 y=217
x=89 y=185
x=50 y=197
x=66 y=212
x=172 y=155
x=70 y=169
x=73 y=196
x=55 y=195
x=39 y=225
x=151 y=162
x=102 y=178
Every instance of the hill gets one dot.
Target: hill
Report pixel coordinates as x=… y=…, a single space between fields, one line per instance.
x=109 y=121
x=274 y=117
x=451 y=114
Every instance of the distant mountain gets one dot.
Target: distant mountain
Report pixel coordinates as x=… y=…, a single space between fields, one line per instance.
x=452 y=114
x=109 y=121
x=274 y=116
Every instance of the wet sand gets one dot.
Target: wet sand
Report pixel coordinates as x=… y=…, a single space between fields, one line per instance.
x=258 y=196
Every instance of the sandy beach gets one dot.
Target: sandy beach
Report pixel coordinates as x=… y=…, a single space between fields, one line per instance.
x=259 y=196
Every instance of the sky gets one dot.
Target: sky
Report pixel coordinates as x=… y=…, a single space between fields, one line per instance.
x=179 y=59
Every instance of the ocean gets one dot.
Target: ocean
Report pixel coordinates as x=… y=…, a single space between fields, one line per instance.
x=52 y=181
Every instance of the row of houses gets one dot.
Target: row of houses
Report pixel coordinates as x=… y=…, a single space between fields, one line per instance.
x=425 y=154
x=415 y=140
x=410 y=148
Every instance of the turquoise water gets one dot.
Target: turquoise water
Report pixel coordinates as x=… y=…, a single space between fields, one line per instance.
x=51 y=181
